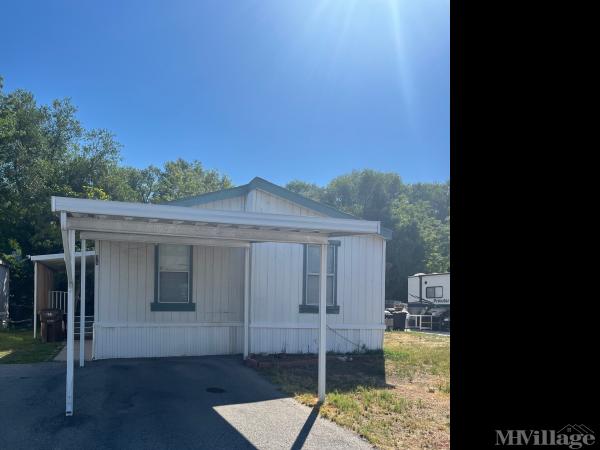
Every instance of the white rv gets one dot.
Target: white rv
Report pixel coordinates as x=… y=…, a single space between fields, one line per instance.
x=428 y=291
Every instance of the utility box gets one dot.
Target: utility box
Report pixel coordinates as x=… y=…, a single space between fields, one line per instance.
x=389 y=320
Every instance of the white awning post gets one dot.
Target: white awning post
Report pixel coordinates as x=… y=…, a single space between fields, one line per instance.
x=35 y=280
x=322 y=323
x=71 y=325
x=68 y=237
x=82 y=307
x=96 y=284
x=246 y=301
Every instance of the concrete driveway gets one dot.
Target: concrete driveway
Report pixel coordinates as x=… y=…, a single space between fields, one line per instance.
x=157 y=404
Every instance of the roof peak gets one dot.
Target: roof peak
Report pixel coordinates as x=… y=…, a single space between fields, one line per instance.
x=274 y=189
x=265 y=185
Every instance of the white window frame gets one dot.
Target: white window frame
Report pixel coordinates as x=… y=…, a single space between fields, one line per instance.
x=188 y=272
x=330 y=248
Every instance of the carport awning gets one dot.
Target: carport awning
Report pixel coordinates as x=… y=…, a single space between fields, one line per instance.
x=98 y=219
x=56 y=261
x=108 y=220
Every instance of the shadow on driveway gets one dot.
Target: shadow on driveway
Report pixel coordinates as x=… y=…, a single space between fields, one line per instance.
x=195 y=402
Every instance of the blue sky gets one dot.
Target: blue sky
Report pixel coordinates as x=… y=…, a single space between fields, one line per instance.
x=282 y=89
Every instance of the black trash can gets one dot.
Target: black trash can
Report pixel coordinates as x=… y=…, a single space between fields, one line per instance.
x=51 y=321
x=400 y=320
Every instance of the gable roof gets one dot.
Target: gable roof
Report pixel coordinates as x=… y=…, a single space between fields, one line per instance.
x=264 y=185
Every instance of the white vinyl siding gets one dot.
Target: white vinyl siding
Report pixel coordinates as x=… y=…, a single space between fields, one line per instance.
x=127 y=327
x=276 y=325
x=266 y=202
x=227 y=204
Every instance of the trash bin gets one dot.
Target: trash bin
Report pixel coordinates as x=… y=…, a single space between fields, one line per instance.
x=51 y=321
x=400 y=320
x=389 y=320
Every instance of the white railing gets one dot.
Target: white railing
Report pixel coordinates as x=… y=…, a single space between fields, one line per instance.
x=88 y=324
x=57 y=300
x=420 y=321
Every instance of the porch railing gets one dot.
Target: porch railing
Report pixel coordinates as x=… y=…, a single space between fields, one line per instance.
x=88 y=324
x=420 y=322
x=57 y=300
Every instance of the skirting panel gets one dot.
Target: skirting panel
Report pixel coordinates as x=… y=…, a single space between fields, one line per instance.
x=163 y=341
x=306 y=340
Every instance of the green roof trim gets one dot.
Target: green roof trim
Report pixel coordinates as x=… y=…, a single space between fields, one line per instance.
x=267 y=186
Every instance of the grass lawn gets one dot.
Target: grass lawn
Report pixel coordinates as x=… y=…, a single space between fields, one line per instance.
x=398 y=398
x=19 y=346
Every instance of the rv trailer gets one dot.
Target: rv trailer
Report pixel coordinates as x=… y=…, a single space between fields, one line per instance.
x=429 y=295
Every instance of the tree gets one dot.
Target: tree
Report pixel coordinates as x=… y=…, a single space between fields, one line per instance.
x=45 y=151
x=135 y=185
x=180 y=179
x=309 y=190
x=418 y=214
x=421 y=243
x=366 y=194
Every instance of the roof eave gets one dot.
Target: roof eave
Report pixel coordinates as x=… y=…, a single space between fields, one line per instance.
x=186 y=214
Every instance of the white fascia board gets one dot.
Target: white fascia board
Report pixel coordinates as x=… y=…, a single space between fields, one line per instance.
x=59 y=256
x=139 y=227
x=158 y=239
x=167 y=212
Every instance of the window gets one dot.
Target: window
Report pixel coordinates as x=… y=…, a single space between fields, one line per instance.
x=173 y=282
x=434 y=292
x=312 y=275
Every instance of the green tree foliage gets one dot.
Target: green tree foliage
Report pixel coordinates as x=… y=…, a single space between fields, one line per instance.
x=180 y=179
x=45 y=151
x=421 y=243
x=418 y=214
x=309 y=190
x=366 y=194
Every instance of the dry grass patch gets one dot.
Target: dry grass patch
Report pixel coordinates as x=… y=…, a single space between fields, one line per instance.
x=398 y=398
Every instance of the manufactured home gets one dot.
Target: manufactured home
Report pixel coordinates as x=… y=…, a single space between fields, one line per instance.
x=252 y=269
